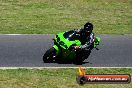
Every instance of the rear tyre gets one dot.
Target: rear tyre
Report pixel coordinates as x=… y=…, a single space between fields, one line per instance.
x=78 y=61
x=48 y=56
x=81 y=56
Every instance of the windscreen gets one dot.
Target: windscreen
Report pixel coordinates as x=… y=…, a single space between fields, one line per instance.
x=71 y=35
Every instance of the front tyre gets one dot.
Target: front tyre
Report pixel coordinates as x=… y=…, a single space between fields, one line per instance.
x=49 y=55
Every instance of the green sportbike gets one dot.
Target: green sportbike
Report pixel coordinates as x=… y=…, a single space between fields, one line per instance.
x=64 y=50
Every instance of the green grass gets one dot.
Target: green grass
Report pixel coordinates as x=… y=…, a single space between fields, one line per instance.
x=56 y=78
x=53 y=16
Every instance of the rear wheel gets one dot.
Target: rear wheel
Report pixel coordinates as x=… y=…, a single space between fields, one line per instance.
x=78 y=61
x=49 y=55
x=81 y=56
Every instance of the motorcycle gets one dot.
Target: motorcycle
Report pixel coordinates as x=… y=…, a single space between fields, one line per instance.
x=64 y=50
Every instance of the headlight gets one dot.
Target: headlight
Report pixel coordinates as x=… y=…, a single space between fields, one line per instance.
x=58 y=39
x=66 y=46
x=61 y=43
x=56 y=36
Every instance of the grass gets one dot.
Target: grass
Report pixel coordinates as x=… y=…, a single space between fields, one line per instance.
x=53 y=16
x=56 y=78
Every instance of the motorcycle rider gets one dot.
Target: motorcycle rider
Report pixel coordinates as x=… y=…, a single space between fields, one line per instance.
x=86 y=36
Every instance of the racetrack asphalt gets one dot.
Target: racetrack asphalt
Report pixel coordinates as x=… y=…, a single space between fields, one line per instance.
x=28 y=50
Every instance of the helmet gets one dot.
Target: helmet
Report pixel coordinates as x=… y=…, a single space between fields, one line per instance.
x=88 y=27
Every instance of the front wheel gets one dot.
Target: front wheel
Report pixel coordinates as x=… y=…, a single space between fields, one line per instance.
x=49 y=55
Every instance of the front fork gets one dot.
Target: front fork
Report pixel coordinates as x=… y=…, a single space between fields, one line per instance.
x=56 y=49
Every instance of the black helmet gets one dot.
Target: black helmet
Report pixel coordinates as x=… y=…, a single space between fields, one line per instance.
x=88 y=27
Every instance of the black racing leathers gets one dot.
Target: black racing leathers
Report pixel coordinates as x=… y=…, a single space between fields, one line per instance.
x=87 y=39
x=87 y=43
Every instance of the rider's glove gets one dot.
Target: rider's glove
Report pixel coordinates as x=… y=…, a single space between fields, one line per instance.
x=77 y=47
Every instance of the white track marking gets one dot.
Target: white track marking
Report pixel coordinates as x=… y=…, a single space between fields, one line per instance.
x=56 y=67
